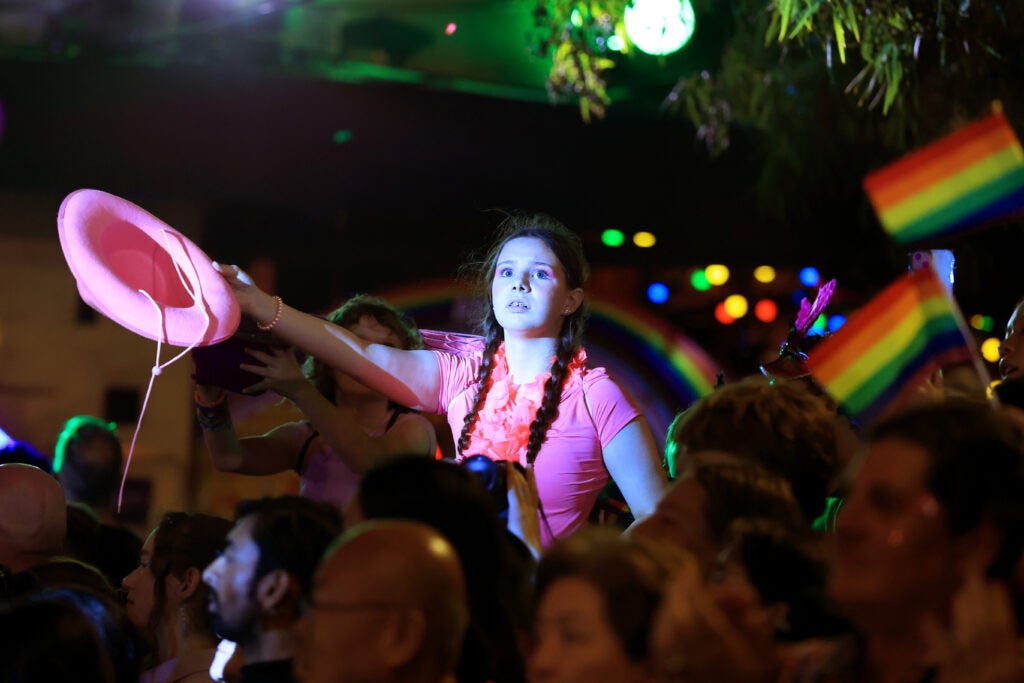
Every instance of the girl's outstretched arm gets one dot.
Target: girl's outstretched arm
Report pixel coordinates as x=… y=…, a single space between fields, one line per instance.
x=410 y=378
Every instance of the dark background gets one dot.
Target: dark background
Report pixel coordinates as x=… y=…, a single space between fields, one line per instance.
x=213 y=109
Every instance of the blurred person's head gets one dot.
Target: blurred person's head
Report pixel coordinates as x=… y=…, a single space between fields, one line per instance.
x=706 y=632
x=389 y=604
x=696 y=511
x=788 y=569
x=87 y=460
x=938 y=491
x=33 y=516
x=118 y=635
x=52 y=640
x=449 y=498
x=67 y=572
x=596 y=595
x=781 y=426
x=113 y=549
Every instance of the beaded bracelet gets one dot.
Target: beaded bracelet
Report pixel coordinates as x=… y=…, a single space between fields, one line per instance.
x=210 y=404
x=277 y=316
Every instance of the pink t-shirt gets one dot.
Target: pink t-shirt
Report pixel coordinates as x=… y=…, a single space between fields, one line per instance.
x=569 y=468
x=323 y=475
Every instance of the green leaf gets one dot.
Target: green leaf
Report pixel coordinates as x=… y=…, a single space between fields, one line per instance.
x=803 y=22
x=773 y=28
x=784 y=9
x=851 y=18
x=893 y=86
x=837 y=25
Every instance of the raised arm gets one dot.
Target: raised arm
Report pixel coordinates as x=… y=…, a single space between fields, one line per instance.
x=633 y=460
x=410 y=378
x=276 y=451
x=338 y=425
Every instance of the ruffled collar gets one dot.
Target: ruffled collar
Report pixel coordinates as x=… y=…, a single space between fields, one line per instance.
x=502 y=428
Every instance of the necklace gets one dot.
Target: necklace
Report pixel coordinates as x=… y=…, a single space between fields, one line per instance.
x=502 y=428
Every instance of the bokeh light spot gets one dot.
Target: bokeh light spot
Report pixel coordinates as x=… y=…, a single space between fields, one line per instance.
x=644 y=239
x=809 y=276
x=764 y=274
x=717 y=274
x=766 y=310
x=990 y=349
x=722 y=316
x=699 y=281
x=657 y=292
x=613 y=238
x=736 y=305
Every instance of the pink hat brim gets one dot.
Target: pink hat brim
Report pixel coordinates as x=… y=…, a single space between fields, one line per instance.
x=115 y=249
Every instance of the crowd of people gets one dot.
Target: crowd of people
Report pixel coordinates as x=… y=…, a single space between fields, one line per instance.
x=772 y=540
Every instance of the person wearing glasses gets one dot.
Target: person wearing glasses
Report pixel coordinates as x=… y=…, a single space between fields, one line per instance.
x=389 y=604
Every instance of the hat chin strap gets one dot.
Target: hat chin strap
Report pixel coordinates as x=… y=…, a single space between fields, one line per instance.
x=157 y=366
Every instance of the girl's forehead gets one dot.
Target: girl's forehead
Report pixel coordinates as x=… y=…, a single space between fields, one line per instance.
x=532 y=248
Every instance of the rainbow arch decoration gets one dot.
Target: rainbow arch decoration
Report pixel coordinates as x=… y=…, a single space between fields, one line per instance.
x=659 y=366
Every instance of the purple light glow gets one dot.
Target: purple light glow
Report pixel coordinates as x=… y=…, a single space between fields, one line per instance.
x=5 y=439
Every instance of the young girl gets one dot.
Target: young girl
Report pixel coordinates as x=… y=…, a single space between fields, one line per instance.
x=526 y=396
x=349 y=427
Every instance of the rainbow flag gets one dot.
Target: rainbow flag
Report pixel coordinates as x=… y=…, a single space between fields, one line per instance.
x=960 y=181
x=908 y=331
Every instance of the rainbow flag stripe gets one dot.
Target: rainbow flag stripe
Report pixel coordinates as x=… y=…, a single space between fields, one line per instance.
x=960 y=181
x=908 y=331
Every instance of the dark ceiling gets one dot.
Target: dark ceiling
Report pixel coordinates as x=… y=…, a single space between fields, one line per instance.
x=251 y=109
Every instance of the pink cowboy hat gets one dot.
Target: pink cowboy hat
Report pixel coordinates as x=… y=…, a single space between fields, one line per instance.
x=143 y=274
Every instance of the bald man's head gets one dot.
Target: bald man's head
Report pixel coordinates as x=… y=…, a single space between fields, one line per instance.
x=33 y=516
x=389 y=602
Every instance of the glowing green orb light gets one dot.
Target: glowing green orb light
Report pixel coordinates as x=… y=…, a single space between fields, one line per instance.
x=660 y=27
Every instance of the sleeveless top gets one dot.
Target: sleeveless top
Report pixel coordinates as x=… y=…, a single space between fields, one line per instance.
x=323 y=475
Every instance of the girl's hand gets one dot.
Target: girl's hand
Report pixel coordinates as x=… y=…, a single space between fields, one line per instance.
x=523 y=517
x=280 y=372
x=251 y=299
